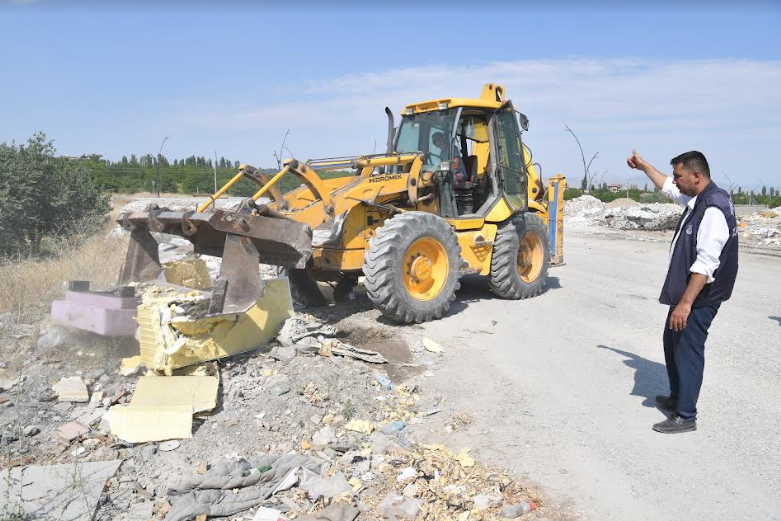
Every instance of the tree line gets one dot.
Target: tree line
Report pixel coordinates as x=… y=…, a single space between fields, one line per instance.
x=770 y=197
x=47 y=196
x=193 y=175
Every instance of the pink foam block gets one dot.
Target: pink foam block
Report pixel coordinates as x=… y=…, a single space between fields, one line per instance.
x=96 y=313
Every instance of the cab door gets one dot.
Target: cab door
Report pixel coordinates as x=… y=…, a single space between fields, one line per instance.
x=509 y=153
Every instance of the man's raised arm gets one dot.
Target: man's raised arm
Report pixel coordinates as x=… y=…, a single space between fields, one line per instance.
x=638 y=163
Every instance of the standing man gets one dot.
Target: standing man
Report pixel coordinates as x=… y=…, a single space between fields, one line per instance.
x=703 y=264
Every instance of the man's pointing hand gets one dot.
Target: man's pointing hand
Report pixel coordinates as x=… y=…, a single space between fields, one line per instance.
x=635 y=161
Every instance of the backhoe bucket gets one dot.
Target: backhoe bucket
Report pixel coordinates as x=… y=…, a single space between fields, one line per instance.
x=245 y=237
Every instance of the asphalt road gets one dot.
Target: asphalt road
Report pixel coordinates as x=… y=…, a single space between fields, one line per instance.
x=562 y=387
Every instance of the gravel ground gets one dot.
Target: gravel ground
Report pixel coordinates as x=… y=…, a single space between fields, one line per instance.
x=562 y=387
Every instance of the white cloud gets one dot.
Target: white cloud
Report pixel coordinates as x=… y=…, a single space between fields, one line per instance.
x=729 y=109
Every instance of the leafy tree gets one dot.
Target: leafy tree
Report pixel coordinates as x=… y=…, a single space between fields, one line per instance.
x=45 y=196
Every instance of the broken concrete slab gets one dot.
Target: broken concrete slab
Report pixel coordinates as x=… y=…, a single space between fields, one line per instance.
x=8 y=382
x=72 y=389
x=324 y=436
x=91 y=417
x=175 y=331
x=71 y=431
x=62 y=407
x=140 y=424
x=67 y=492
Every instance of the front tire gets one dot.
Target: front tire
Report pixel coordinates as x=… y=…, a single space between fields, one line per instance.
x=412 y=267
x=521 y=257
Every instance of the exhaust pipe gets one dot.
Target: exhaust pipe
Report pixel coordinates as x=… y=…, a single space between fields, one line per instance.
x=390 y=130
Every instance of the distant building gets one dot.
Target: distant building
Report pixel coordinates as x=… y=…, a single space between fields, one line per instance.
x=614 y=188
x=82 y=157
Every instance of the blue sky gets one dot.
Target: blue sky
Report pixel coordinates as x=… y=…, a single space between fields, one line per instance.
x=232 y=79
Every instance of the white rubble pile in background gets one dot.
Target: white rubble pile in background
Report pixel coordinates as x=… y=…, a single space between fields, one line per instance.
x=761 y=229
x=590 y=211
x=576 y=207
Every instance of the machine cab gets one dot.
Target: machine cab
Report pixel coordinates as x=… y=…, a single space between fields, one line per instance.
x=472 y=148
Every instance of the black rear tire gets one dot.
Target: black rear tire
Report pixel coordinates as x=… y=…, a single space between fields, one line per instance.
x=516 y=273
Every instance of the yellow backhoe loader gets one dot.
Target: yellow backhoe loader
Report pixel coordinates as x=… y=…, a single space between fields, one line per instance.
x=455 y=193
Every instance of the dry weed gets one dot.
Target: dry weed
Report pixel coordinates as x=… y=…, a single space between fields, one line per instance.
x=30 y=285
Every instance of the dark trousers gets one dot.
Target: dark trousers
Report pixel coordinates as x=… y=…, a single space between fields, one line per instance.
x=684 y=353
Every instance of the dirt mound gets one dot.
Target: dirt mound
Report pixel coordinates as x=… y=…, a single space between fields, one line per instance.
x=622 y=202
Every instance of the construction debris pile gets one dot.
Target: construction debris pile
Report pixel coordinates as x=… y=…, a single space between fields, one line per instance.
x=309 y=426
x=587 y=210
x=760 y=229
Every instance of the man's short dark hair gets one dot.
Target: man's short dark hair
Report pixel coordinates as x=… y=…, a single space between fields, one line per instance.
x=693 y=161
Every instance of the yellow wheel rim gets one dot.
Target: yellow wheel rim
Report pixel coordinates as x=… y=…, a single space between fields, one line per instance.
x=530 y=258
x=425 y=268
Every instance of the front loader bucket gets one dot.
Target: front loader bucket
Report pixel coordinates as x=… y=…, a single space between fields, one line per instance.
x=243 y=238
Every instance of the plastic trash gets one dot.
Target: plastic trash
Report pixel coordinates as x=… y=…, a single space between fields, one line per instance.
x=405 y=474
x=258 y=470
x=383 y=380
x=513 y=511
x=393 y=427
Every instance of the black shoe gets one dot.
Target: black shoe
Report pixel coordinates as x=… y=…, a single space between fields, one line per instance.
x=675 y=424
x=666 y=403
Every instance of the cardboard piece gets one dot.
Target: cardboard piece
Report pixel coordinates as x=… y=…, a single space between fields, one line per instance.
x=68 y=492
x=142 y=423
x=174 y=331
x=197 y=392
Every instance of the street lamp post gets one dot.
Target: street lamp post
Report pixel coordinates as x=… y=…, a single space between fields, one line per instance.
x=157 y=162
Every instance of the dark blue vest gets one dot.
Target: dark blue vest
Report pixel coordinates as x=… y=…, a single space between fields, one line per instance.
x=685 y=253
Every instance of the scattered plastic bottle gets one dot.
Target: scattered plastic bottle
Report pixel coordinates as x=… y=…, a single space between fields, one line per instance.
x=513 y=511
x=383 y=381
x=392 y=427
x=257 y=470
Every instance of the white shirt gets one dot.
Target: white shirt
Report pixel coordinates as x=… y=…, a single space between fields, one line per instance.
x=711 y=237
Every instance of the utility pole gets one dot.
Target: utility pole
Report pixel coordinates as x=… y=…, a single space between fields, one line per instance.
x=215 y=172
x=159 y=155
x=760 y=189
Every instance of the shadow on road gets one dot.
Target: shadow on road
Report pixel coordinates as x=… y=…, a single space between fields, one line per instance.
x=474 y=288
x=777 y=319
x=650 y=377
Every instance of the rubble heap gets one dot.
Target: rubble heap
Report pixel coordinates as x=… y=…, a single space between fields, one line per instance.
x=589 y=211
x=308 y=427
x=760 y=230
